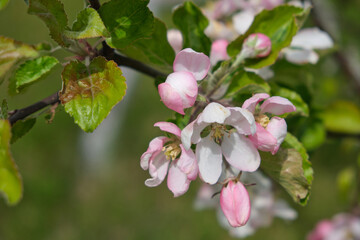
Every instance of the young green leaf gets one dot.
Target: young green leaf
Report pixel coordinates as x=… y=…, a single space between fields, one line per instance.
x=20 y=128
x=342 y=117
x=11 y=52
x=90 y=92
x=31 y=71
x=127 y=21
x=279 y=24
x=53 y=14
x=3 y=3
x=87 y=25
x=10 y=179
x=192 y=23
x=155 y=51
x=291 y=168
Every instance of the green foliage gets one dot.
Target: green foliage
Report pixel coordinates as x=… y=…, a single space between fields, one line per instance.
x=87 y=25
x=53 y=14
x=10 y=180
x=127 y=21
x=346 y=183
x=4 y=110
x=342 y=117
x=244 y=82
x=291 y=168
x=279 y=24
x=21 y=127
x=312 y=133
x=155 y=51
x=31 y=71
x=295 y=98
x=191 y=22
x=90 y=92
x=11 y=52
x=3 y=4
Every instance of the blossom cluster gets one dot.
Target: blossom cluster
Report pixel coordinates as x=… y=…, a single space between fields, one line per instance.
x=220 y=140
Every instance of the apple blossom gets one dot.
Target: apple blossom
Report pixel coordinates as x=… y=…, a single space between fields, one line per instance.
x=164 y=151
x=270 y=133
x=218 y=51
x=257 y=45
x=227 y=129
x=175 y=39
x=180 y=89
x=235 y=203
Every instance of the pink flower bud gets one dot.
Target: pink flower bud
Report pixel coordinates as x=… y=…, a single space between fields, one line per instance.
x=257 y=45
x=235 y=203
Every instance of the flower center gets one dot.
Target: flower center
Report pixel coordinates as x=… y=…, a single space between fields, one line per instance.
x=262 y=119
x=217 y=132
x=172 y=150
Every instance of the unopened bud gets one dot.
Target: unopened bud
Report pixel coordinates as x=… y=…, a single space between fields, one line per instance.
x=257 y=45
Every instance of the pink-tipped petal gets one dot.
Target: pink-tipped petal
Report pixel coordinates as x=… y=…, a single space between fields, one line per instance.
x=187 y=163
x=177 y=180
x=250 y=104
x=155 y=147
x=214 y=113
x=235 y=204
x=175 y=39
x=277 y=127
x=263 y=140
x=209 y=157
x=240 y=152
x=169 y=127
x=194 y=62
x=158 y=168
x=322 y=230
x=242 y=120
x=218 y=51
x=257 y=45
x=277 y=105
x=171 y=98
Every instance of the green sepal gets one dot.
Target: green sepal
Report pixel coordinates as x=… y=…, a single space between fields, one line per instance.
x=127 y=21
x=90 y=92
x=21 y=127
x=87 y=25
x=190 y=20
x=10 y=179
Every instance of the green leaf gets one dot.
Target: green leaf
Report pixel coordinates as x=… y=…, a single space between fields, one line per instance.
x=290 y=168
x=190 y=20
x=11 y=52
x=301 y=107
x=244 y=82
x=4 y=110
x=32 y=70
x=21 y=127
x=3 y=4
x=279 y=24
x=312 y=133
x=53 y=14
x=10 y=179
x=127 y=21
x=87 y=25
x=342 y=117
x=155 y=51
x=89 y=93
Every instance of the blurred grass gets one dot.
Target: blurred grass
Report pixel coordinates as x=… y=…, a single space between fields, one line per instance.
x=64 y=199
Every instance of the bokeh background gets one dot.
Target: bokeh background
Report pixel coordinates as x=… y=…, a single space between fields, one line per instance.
x=91 y=186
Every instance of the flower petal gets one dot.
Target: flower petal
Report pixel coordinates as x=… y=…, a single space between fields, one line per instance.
x=171 y=98
x=194 y=62
x=177 y=180
x=263 y=140
x=312 y=38
x=278 y=128
x=214 y=113
x=158 y=168
x=301 y=56
x=277 y=105
x=209 y=156
x=235 y=204
x=242 y=120
x=187 y=163
x=240 y=152
x=218 y=51
x=169 y=127
x=243 y=20
x=155 y=147
x=250 y=104
x=191 y=133
x=175 y=39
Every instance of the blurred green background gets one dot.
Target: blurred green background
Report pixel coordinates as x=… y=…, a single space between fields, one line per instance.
x=70 y=195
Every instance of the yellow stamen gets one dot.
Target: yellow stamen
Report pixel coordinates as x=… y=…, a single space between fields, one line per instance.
x=262 y=119
x=171 y=151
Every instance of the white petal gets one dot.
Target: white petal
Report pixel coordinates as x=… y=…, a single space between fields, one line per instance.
x=214 y=113
x=301 y=56
x=242 y=21
x=240 y=152
x=312 y=38
x=191 y=133
x=283 y=210
x=158 y=168
x=209 y=156
x=177 y=181
x=241 y=119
